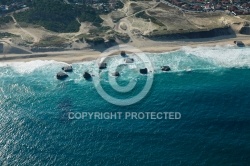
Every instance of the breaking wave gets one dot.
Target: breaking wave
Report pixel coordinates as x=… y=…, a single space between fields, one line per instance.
x=185 y=59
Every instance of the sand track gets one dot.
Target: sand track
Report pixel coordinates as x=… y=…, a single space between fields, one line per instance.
x=35 y=38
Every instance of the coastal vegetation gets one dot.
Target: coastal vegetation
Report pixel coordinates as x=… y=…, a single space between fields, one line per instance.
x=98 y=35
x=99 y=30
x=57 y=16
x=5 y=20
x=147 y=17
x=51 y=41
x=53 y=15
x=122 y=36
x=87 y=13
x=6 y=35
x=117 y=15
x=95 y=40
x=80 y=23
x=8 y=2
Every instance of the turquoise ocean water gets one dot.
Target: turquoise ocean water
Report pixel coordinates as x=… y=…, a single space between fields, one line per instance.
x=210 y=87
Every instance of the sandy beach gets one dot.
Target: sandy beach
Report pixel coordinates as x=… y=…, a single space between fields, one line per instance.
x=151 y=46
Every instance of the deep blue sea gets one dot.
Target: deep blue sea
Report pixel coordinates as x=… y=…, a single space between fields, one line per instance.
x=210 y=87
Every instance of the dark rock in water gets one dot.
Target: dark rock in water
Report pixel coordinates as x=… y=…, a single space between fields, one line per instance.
x=144 y=71
x=67 y=68
x=129 y=60
x=165 y=68
x=87 y=76
x=239 y=43
x=102 y=65
x=116 y=74
x=61 y=75
x=123 y=53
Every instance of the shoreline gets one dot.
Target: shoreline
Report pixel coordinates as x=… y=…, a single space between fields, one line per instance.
x=150 y=46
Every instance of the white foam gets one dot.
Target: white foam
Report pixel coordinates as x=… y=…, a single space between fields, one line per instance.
x=186 y=58
x=202 y=58
x=28 y=67
x=3 y=64
x=223 y=56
